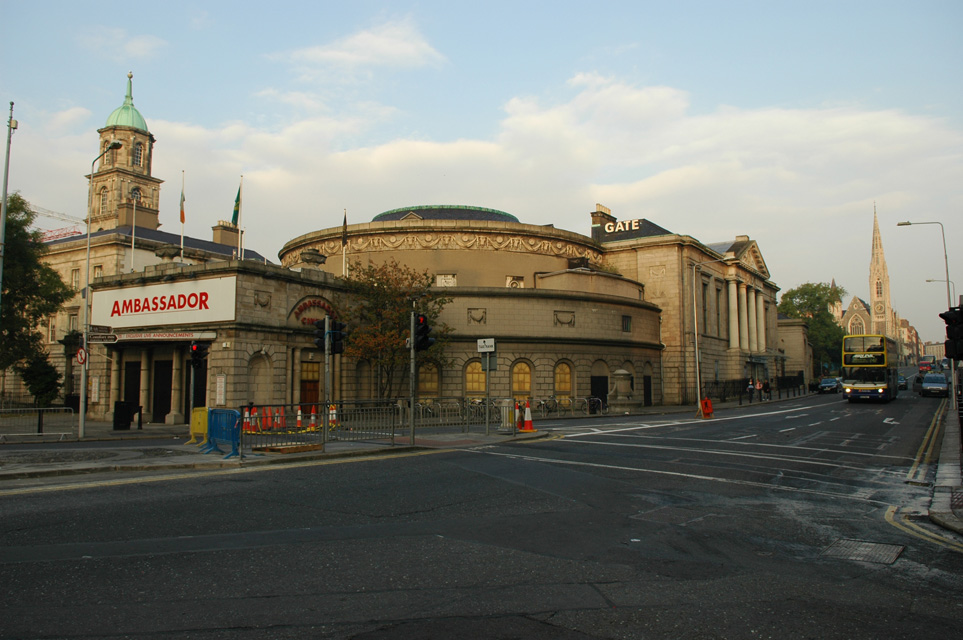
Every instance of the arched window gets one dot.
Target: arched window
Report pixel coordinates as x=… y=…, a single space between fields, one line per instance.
x=521 y=381
x=103 y=201
x=135 y=194
x=563 y=380
x=856 y=327
x=138 y=153
x=428 y=381
x=474 y=379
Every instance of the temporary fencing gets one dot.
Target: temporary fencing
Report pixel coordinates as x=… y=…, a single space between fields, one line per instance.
x=223 y=430
x=37 y=423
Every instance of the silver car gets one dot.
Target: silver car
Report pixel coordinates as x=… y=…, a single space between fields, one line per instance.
x=935 y=385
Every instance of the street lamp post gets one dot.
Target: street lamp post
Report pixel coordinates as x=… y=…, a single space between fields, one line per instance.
x=695 y=335
x=946 y=265
x=113 y=144
x=951 y=283
x=11 y=125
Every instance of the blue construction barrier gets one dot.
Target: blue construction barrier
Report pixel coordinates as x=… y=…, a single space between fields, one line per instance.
x=223 y=429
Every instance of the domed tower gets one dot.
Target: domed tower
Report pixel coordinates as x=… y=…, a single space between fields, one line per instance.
x=122 y=183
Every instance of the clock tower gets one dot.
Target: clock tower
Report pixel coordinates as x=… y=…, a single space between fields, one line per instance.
x=880 y=303
x=122 y=184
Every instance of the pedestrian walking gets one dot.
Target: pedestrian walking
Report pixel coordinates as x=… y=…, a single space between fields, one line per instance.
x=767 y=390
x=750 y=390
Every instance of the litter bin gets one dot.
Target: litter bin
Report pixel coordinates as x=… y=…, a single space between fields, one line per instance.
x=123 y=415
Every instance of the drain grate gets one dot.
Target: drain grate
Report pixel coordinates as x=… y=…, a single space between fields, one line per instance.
x=864 y=551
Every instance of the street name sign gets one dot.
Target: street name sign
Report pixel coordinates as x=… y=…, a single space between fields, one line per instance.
x=486 y=345
x=102 y=338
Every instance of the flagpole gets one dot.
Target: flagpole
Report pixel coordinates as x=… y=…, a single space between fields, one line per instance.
x=182 y=215
x=240 y=205
x=344 y=246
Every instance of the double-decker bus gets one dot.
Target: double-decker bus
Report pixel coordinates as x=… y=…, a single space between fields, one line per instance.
x=870 y=368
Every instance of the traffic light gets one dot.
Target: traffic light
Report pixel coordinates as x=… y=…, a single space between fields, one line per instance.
x=953 y=317
x=339 y=331
x=423 y=339
x=319 y=334
x=198 y=353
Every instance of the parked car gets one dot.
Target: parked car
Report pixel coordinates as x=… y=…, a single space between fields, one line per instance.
x=935 y=385
x=830 y=385
x=902 y=382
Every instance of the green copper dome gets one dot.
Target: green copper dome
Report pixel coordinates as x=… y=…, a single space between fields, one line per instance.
x=126 y=115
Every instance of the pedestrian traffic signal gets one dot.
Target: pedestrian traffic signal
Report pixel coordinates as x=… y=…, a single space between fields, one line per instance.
x=422 y=338
x=319 y=334
x=339 y=331
x=198 y=353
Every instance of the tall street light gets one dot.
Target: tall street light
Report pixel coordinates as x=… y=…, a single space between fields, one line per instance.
x=695 y=335
x=949 y=300
x=11 y=125
x=951 y=282
x=113 y=144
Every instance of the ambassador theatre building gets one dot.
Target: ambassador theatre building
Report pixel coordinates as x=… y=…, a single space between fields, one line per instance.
x=562 y=326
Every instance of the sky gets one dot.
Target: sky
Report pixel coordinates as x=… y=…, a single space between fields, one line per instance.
x=789 y=122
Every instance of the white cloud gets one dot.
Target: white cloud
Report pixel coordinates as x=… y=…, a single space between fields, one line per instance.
x=393 y=45
x=117 y=43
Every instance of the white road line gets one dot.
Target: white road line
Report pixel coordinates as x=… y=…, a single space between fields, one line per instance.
x=692 y=476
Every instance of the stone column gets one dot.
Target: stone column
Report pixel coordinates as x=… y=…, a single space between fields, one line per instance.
x=177 y=389
x=144 y=400
x=761 y=322
x=751 y=313
x=733 y=314
x=116 y=363
x=743 y=319
x=296 y=375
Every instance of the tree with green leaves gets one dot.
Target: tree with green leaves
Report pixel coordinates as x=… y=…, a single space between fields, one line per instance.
x=41 y=379
x=32 y=291
x=812 y=303
x=378 y=307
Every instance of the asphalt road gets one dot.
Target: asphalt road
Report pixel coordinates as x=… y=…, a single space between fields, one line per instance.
x=787 y=520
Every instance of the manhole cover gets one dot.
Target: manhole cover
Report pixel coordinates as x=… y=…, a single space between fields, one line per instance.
x=864 y=551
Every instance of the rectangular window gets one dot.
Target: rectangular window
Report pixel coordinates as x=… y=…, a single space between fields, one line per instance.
x=72 y=323
x=98 y=271
x=75 y=279
x=52 y=329
x=705 y=308
x=626 y=324
x=719 y=305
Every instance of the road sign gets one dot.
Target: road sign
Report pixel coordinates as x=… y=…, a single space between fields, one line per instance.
x=99 y=328
x=81 y=355
x=101 y=338
x=486 y=345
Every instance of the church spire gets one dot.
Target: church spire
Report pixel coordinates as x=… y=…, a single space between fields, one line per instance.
x=880 y=301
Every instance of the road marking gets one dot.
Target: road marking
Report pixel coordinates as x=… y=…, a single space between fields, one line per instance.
x=743 y=437
x=913 y=529
x=217 y=472
x=924 y=455
x=859 y=497
x=789 y=429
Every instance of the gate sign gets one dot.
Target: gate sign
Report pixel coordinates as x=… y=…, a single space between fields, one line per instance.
x=486 y=345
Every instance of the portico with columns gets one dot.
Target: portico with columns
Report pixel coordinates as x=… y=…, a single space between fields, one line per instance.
x=719 y=293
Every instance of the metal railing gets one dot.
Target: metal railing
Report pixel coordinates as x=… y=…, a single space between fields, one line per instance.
x=33 y=423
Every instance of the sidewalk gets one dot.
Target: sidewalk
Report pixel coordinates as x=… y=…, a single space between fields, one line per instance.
x=122 y=453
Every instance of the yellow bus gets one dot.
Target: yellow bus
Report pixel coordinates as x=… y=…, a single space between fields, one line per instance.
x=870 y=368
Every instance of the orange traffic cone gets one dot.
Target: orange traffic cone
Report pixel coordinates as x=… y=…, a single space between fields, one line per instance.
x=313 y=425
x=332 y=417
x=282 y=421
x=299 y=418
x=529 y=427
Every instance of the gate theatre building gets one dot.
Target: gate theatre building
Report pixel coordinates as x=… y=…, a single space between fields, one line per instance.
x=617 y=315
